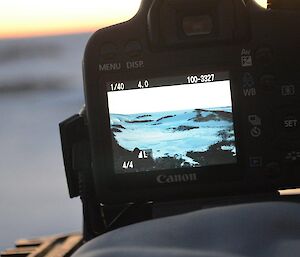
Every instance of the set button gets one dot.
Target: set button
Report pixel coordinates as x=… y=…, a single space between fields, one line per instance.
x=289 y=123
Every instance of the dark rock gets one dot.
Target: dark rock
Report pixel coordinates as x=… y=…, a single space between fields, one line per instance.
x=214 y=155
x=116 y=130
x=214 y=115
x=184 y=128
x=166 y=117
x=118 y=126
x=138 y=121
x=143 y=116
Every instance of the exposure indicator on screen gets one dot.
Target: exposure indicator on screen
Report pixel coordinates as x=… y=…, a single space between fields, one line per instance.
x=171 y=123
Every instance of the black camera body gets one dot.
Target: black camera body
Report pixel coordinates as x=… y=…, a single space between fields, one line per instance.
x=191 y=99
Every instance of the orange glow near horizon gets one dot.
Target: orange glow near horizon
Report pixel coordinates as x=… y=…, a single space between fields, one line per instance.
x=53 y=28
x=53 y=17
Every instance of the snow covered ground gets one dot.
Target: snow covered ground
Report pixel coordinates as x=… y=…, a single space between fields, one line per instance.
x=40 y=85
x=177 y=135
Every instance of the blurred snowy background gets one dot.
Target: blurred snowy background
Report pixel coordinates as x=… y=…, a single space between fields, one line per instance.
x=40 y=85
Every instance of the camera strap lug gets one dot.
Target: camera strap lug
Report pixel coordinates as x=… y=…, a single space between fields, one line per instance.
x=74 y=140
x=77 y=161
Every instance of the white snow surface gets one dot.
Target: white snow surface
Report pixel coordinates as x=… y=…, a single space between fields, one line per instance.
x=161 y=132
x=40 y=86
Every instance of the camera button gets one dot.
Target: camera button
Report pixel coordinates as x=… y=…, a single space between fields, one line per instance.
x=292 y=156
x=108 y=52
x=264 y=56
x=133 y=48
x=288 y=90
x=273 y=170
x=267 y=82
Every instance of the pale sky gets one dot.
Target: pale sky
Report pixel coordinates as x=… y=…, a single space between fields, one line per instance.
x=20 y=18
x=170 y=98
x=26 y=18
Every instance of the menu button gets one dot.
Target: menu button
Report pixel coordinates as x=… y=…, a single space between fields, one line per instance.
x=108 y=52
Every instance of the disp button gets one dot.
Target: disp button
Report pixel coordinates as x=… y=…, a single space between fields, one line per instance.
x=133 y=48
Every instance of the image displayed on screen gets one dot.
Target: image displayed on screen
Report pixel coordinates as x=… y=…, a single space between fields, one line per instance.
x=171 y=127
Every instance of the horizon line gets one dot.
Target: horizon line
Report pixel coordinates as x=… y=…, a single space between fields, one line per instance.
x=50 y=33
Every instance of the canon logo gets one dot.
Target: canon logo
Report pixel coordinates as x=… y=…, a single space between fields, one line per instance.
x=167 y=179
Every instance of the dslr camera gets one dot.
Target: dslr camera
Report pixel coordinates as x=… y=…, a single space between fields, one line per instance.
x=187 y=100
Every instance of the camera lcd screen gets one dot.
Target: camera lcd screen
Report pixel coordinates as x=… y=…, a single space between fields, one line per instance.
x=171 y=122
